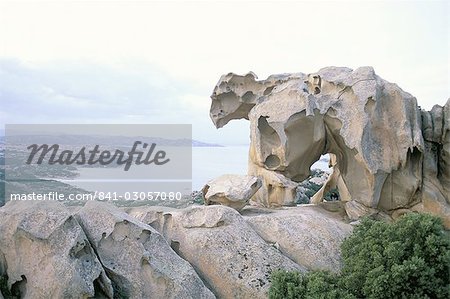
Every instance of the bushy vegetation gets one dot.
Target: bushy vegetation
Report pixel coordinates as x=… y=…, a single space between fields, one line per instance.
x=332 y=195
x=313 y=188
x=409 y=258
x=308 y=188
x=314 y=284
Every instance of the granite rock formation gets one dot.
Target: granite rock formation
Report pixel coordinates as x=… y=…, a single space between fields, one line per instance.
x=100 y=252
x=48 y=250
x=136 y=257
x=388 y=154
x=311 y=238
x=230 y=256
x=46 y=253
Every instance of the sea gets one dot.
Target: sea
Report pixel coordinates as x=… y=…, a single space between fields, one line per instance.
x=207 y=164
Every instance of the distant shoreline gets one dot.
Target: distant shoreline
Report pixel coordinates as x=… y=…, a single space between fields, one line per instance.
x=112 y=140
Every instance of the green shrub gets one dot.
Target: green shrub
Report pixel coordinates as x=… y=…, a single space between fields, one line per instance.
x=314 y=284
x=313 y=188
x=287 y=285
x=332 y=195
x=409 y=258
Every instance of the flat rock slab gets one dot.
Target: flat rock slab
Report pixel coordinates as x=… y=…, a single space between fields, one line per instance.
x=309 y=235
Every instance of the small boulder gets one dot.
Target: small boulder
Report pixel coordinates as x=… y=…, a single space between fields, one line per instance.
x=231 y=190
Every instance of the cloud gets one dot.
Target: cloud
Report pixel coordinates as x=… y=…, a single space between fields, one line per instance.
x=84 y=93
x=68 y=92
x=155 y=61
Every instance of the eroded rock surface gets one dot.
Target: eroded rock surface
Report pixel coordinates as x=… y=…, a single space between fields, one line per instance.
x=231 y=190
x=136 y=257
x=224 y=249
x=101 y=251
x=308 y=235
x=388 y=153
x=234 y=96
x=47 y=254
x=435 y=193
x=276 y=189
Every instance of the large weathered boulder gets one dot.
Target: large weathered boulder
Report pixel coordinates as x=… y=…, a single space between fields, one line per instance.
x=47 y=254
x=231 y=190
x=309 y=235
x=374 y=129
x=139 y=261
x=224 y=249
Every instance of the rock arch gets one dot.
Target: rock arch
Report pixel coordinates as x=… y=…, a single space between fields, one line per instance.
x=388 y=155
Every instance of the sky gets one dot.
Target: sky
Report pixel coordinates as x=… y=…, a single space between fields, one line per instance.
x=158 y=62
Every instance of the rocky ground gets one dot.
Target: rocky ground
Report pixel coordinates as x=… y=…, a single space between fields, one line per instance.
x=48 y=250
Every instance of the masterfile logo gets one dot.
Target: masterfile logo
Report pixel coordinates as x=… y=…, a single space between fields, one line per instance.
x=95 y=156
x=123 y=162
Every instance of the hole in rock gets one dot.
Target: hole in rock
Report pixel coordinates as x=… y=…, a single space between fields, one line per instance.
x=248 y=96
x=269 y=137
x=332 y=195
x=175 y=245
x=144 y=236
x=268 y=90
x=19 y=288
x=319 y=174
x=81 y=249
x=272 y=161
x=99 y=289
